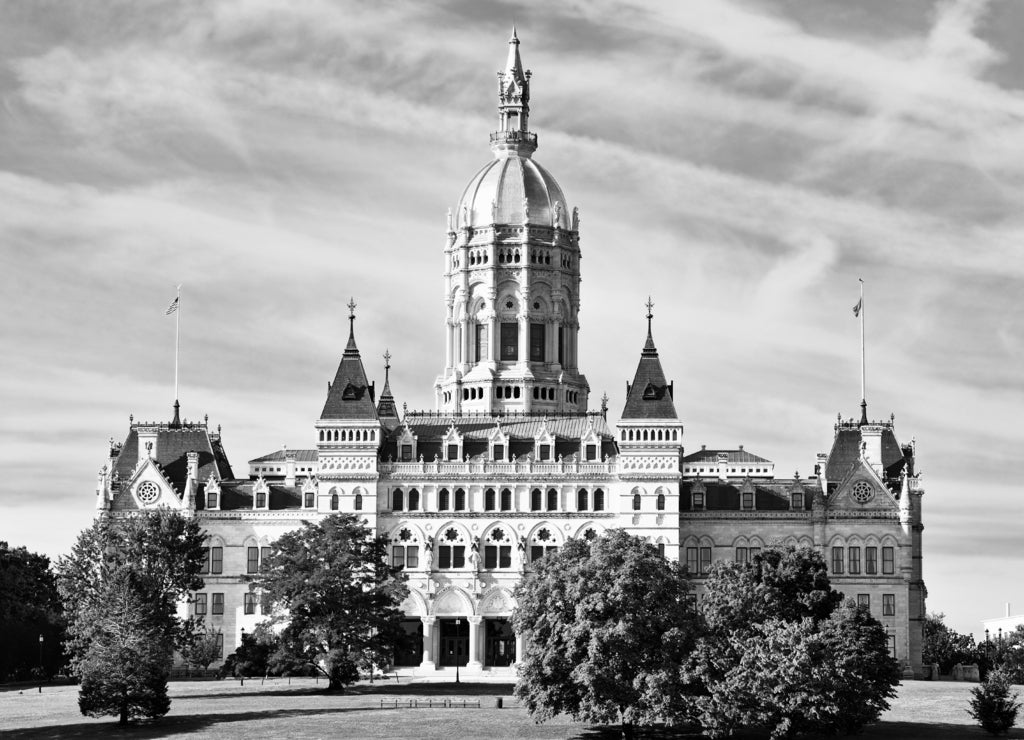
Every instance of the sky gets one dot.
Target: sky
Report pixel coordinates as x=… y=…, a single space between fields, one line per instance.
x=742 y=162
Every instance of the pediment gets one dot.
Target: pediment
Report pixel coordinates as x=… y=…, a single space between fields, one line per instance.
x=862 y=490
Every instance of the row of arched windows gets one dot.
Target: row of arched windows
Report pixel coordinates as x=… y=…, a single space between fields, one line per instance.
x=659 y=502
x=650 y=435
x=499 y=500
x=348 y=435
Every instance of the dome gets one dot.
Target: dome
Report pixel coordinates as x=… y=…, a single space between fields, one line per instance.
x=497 y=193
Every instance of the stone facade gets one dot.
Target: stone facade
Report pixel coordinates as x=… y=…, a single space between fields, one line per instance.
x=512 y=464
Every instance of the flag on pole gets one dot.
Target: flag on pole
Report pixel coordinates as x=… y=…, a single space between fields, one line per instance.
x=173 y=307
x=856 y=309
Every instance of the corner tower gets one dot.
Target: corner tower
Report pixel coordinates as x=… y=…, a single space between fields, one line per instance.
x=512 y=277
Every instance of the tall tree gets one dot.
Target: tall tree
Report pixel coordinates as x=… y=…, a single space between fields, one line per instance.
x=606 y=625
x=335 y=594
x=29 y=608
x=944 y=645
x=778 y=650
x=152 y=559
x=124 y=669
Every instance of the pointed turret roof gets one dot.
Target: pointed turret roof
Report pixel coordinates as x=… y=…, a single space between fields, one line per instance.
x=650 y=395
x=514 y=64
x=386 y=409
x=350 y=395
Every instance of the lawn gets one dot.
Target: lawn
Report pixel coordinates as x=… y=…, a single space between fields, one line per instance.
x=224 y=709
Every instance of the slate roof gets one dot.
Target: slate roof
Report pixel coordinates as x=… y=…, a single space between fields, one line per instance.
x=649 y=396
x=846 y=452
x=735 y=456
x=350 y=395
x=568 y=430
x=279 y=455
x=172 y=448
x=237 y=495
x=725 y=495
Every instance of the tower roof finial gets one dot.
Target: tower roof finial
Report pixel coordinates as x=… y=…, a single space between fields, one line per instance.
x=649 y=347
x=351 y=327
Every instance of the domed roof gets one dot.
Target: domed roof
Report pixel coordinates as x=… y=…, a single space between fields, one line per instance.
x=499 y=191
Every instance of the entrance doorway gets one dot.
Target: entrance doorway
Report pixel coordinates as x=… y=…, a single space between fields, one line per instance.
x=501 y=643
x=454 y=642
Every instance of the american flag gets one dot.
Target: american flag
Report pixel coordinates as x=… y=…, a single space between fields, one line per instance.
x=173 y=307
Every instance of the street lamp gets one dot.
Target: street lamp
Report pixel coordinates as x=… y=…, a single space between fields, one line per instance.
x=458 y=644
x=241 y=643
x=40 y=662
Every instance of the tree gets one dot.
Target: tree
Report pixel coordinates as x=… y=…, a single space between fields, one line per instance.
x=145 y=565
x=333 y=590
x=124 y=669
x=993 y=705
x=202 y=648
x=778 y=651
x=30 y=606
x=946 y=646
x=606 y=626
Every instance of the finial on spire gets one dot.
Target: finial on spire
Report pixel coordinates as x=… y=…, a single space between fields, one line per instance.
x=176 y=424
x=387 y=359
x=515 y=37
x=351 y=346
x=863 y=412
x=650 y=314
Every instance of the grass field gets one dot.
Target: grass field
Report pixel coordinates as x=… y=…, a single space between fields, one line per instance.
x=223 y=709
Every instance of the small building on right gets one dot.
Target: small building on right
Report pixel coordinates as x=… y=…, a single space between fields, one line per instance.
x=861 y=508
x=996 y=627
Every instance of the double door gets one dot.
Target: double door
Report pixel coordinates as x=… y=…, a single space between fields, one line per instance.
x=454 y=640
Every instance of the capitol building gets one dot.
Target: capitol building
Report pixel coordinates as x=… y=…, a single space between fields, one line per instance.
x=513 y=462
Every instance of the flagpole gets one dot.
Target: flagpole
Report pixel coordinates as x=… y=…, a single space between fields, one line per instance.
x=177 y=333
x=863 y=365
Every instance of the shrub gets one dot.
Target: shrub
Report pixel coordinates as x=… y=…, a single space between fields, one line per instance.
x=993 y=705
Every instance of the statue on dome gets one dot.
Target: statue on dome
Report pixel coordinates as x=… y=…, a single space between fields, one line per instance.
x=575 y=218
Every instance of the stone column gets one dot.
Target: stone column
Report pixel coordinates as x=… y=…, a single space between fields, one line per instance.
x=474 y=642
x=428 y=642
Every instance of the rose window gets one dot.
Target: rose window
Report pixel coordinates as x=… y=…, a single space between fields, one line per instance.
x=862 y=492
x=147 y=492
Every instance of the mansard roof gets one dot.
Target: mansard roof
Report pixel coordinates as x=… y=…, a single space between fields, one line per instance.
x=846 y=451
x=350 y=396
x=238 y=495
x=735 y=456
x=173 y=443
x=722 y=495
x=650 y=395
x=520 y=429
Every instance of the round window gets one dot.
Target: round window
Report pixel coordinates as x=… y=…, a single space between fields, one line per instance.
x=862 y=492
x=147 y=492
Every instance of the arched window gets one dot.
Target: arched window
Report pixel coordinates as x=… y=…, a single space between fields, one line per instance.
x=443 y=500
x=636 y=502
x=358 y=505
x=211 y=500
x=460 y=499
x=490 y=500
x=661 y=502
x=581 y=500
x=308 y=500
x=506 y=499
x=535 y=500
x=397 y=500
x=552 y=499
x=321 y=435
x=598 y=500
x=414 y=500
x=334 y=502
x=335 y=435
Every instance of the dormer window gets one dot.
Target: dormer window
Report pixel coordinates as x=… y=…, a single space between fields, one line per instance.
x=211 y=500
x=544 y=452
x=650 y=392
x=698 y=500
x=350 y=393
x=498 y=452
x=406 y=453
x=453 y=452
x=747 y=500
x=590 y=452
x=797 y=501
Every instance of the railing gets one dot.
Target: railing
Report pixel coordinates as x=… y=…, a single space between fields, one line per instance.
x=513 y=137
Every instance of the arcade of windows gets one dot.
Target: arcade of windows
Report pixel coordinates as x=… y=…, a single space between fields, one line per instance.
x=501 y=499
x=650 y=435
x=848 y=560
x=348 y=435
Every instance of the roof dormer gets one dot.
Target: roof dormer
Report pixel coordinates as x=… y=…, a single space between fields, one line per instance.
x=406 y=444
x=497 y=444
x=544 y=444
x=452 y=442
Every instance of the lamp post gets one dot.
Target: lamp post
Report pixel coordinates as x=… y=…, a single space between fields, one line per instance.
x=241 y=643
x=40 y=662
x=458 y=631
